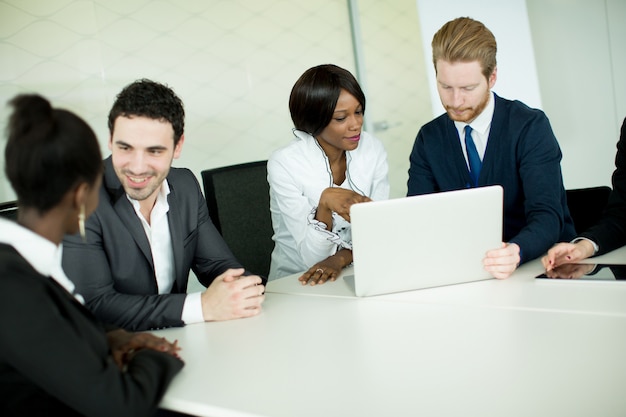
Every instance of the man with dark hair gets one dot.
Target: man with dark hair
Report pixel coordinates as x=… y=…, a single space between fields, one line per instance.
x=484 y=139
x=152 y=226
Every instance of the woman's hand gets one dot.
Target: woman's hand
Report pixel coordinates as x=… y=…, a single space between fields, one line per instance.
x=567 y=253
x=328 y=269
x=338 y=200
x=570 y=271
x=124 y=345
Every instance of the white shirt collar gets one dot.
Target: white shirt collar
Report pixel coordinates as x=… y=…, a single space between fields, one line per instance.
x=43 y=255
x=301 y=134
x=161 y=199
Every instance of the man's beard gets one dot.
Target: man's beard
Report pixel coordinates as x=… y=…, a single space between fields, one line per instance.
x=473 y=111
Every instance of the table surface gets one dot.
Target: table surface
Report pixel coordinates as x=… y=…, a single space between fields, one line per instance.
x=520 y=291
x=514 y=347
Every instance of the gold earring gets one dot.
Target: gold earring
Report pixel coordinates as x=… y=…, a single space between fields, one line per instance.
x=81 y=222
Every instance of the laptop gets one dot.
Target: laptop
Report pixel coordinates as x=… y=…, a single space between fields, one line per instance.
x=424 y=241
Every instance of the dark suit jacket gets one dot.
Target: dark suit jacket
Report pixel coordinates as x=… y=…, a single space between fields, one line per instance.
x=54 y=355
x=619 y=271
x=610 y=232
x=114 y=269
x=522 y=156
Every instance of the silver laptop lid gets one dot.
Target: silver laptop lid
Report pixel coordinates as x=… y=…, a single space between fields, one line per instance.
x=424 y=241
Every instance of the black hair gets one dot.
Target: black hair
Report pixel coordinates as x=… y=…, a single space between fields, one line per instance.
x=314 y=96
x=149 y=99
x=48 y=152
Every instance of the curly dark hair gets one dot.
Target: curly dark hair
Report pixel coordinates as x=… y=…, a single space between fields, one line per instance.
x=150 y=99
x=48 y=152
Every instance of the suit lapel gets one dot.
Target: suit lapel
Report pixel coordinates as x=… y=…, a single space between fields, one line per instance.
x=176 y=233
x=125 y=210
x=454 y=143
x=63 y=293
x=94 y=333
x=495 y=138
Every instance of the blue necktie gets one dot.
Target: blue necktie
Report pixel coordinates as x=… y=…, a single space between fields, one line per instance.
x=472 y=156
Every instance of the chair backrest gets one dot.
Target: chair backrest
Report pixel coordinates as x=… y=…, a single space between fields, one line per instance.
x=239 y=205
x=8 y=210
x=586 y=205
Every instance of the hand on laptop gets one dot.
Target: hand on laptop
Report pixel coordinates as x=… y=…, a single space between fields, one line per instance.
x=503 y=261
x=328 y=269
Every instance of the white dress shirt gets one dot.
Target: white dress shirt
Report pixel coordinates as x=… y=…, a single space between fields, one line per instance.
x=298 y=173
x=481 y=126
x=158 y=233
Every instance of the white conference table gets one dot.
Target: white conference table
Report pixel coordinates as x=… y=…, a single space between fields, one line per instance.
x=520 y=291
x=515 y=347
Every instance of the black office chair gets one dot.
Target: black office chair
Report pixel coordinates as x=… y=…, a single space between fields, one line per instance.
x=239 y=205
x=586 y=205
x=8 y=210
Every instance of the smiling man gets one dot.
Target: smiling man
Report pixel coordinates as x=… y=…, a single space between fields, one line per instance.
x=484 y=139
x=152 y=227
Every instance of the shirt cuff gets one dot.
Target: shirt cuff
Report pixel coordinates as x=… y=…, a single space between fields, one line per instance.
x=595 y=245
x=325 y=234
x=192 y=309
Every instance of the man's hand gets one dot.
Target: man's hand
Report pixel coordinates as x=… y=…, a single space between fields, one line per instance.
x=502 y=262
x=233 y=296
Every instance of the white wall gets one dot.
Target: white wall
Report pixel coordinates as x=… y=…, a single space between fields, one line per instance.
x=232 y=62
x=616 y=17
x=398 y=102
x=581 y=64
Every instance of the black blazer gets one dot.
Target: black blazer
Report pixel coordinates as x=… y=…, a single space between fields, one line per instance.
x=114 y=270
x=54 y=356
x=610 y=232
